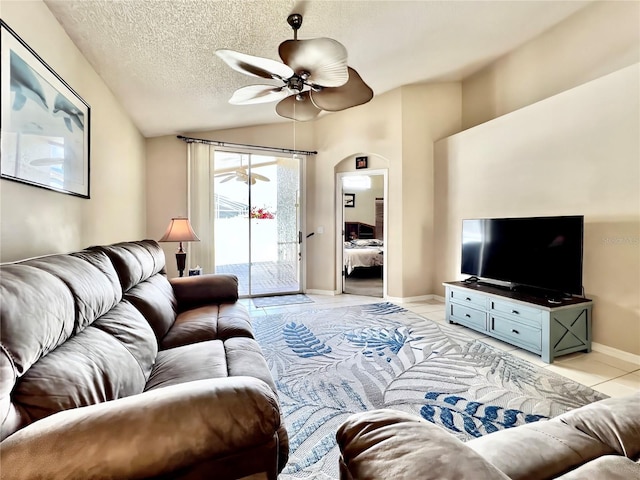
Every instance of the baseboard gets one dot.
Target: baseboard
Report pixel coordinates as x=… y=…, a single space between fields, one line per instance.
x=312 y=291
x=412 y=299
x=614 y=352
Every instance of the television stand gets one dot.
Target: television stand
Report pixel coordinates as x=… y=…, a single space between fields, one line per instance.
x=548 y=327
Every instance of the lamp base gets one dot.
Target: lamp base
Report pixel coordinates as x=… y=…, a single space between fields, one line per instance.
x=181 y=259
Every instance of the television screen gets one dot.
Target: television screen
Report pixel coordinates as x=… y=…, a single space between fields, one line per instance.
x=540 y=252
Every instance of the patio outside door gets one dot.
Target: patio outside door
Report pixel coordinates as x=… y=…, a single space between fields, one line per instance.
x=256 y=222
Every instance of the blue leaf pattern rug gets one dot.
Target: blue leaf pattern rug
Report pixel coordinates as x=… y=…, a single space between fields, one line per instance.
x=330 y=363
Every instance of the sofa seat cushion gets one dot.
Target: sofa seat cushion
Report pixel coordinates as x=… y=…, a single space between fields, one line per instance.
x=210 y=359
x=212 y=322
x=245 y=358
x=611 y=467
x=188 y=363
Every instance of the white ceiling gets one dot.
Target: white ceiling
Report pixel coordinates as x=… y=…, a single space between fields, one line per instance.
x=158 y=56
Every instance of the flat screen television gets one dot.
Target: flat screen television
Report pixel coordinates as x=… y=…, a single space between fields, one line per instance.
x=540 y=252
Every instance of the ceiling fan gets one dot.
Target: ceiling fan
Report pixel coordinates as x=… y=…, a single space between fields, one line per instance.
x=241 y=175
x=314 y=77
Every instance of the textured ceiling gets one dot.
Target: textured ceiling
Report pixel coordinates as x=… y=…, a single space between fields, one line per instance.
x=158 y=56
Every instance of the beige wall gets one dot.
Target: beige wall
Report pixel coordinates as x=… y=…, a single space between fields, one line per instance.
x=35 y=221
x=429 y=113
x=599 y=39
x=575 y=153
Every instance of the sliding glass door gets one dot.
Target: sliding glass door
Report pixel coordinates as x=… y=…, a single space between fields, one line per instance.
x=257 y=221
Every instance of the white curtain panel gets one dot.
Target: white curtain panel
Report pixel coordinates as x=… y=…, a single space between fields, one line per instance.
x=200 y=208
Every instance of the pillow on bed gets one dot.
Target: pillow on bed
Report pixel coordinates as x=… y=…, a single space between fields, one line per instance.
x=370 y=242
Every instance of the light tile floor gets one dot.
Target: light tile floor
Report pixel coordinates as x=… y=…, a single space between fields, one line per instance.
x=609 y=375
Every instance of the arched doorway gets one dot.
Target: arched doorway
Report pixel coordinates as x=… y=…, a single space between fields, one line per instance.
x=361 y=216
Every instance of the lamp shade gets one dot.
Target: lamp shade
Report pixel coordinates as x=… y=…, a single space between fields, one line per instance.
x=179 y=230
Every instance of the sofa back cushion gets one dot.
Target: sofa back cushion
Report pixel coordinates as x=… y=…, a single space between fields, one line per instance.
x=50 y=337
x=154 y=298
x=110 y=359
x=141 y=270
x=134 y=261
x=36 y=315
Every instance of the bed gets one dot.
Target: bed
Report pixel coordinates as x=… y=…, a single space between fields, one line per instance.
x=363 y=253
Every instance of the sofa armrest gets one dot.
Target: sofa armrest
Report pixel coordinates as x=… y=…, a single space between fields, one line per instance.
x=200 y=290
x=145 y=435
x=381 y=444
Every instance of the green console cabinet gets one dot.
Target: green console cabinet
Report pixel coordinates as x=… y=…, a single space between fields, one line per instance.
x=546 y=328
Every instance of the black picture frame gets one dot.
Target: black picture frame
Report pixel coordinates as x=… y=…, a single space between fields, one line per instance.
x=362 y=162
x=45 y=123
x=349 y=200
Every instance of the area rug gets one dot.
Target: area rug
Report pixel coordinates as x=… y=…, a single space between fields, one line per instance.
x=278 y=300
x=330 y=363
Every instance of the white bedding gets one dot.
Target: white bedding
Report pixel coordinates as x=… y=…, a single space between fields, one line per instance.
x=362 y=257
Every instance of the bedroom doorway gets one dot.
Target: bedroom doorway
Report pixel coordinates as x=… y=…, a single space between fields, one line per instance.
x=362 y=233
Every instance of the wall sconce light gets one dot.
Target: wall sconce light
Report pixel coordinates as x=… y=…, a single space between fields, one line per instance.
x=179 y=230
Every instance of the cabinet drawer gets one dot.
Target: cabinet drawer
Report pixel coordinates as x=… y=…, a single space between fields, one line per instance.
x=516 y=332
x=462 y=296
x=530 y=316
x=468 y=316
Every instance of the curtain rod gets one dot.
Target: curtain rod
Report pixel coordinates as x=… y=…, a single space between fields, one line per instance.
x=256 y=147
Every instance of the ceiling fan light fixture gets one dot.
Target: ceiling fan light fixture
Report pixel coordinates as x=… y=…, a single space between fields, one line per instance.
x=301 y=110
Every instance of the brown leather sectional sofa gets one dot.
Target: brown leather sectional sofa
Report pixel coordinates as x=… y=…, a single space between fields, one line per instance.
x=598 y=441
x=109 y=370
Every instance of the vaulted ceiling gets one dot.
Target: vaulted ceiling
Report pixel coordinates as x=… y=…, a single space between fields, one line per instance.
x=158 y=56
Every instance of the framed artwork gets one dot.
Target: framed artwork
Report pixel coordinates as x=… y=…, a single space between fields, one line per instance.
x=350 y=200
x=45 y=123
x=362 y=162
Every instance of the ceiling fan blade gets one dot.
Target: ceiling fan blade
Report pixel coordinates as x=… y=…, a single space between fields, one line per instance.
x=300 y=110
x=257 y=176
x=228 y=179
x=258 y=94
x=254 y=66
x=323 y=58
x=354 y=92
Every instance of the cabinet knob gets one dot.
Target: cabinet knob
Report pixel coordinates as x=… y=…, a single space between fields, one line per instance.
x=467 y=315
x=513 y=330
x=468 y=299
x=515 y=312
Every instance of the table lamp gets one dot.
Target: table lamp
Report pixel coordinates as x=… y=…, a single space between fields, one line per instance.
x=180 y=230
